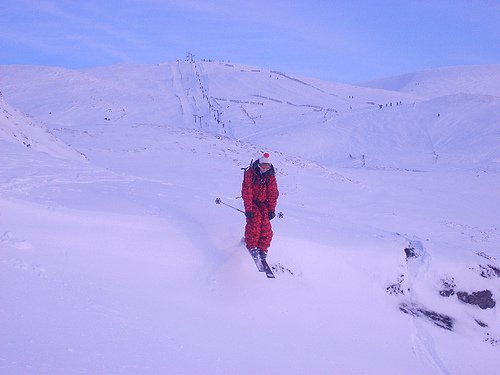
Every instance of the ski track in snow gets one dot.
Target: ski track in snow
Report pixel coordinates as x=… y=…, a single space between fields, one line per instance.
x=424 y=348
x=417 y=267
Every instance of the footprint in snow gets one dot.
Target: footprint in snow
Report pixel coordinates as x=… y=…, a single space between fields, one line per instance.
x=21 y=265
x=8 y=239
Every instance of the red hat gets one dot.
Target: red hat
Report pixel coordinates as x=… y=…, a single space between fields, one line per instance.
x=265 y=159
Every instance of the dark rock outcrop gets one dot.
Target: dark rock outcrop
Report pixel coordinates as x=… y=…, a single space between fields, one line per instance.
x=441 y=320
x=483 y=299
x=397 y=287
x=411 y=252
x=489 y=271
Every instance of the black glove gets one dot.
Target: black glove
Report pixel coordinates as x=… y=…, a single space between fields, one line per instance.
x=249 y=214
x=272 y=214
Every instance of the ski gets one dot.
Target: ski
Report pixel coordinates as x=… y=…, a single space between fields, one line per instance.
x=267 y=269
x=258 y=262
x=263 y=266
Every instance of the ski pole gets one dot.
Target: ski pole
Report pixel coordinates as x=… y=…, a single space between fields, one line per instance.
x=219 y=201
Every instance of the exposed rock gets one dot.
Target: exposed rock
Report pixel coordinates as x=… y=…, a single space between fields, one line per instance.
x=489 y=271
x=448 y=287
x=397 y=287
x=483 y=299
x=441 y=320
x=484 y=255
x=415 y=249
x=491 y=340
x=481 y=323
x=410 y=252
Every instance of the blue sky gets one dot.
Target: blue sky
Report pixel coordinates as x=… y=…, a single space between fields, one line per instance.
x=345 y=41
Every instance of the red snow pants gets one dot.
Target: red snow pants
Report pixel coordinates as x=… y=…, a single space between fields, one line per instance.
x=258 y=231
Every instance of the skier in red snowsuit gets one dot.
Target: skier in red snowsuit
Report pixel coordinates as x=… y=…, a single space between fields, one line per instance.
x=260 y=195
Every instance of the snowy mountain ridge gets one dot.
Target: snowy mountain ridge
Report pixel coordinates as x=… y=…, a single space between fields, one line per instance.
x=473 y=79
x=17 y=127
x=241 y=102
x=387 y=259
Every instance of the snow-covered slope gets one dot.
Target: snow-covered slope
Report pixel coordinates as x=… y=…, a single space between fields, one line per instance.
x=70 y=97
x=474 y=79
x=126 y=265
x=224 y=98
x=276 y=110
x=456 y=131
x=18 y=128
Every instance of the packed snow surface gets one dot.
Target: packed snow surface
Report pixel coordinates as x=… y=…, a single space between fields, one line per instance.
x=387 y=259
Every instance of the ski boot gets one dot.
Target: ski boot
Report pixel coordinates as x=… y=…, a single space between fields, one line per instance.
x=254 y=252
x=262 y=255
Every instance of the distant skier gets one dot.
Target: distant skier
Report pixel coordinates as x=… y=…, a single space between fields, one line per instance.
x=260 y=195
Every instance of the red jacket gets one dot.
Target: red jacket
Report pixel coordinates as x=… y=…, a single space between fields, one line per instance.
x=259 y=189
